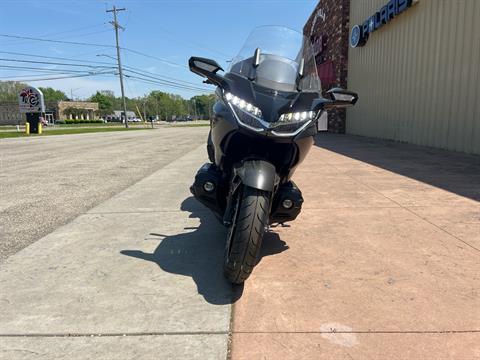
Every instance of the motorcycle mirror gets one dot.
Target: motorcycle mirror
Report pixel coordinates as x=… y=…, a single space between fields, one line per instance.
x=341 y=98
x=206 y=68
x=256 y=57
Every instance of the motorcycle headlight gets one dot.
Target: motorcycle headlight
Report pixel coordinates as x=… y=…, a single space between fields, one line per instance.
x=243 y=105
x=250 y=116
x=292 y=123
x=247 y=114
x=297 y=117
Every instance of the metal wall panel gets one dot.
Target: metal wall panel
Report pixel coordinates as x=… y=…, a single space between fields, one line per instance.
x=418 y=76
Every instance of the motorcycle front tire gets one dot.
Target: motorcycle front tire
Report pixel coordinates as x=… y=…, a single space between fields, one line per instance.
x=244 y=242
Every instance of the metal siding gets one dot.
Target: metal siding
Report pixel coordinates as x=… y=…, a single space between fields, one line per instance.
x=418 y=76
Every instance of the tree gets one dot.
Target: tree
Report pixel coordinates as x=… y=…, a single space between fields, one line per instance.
x=52 y=95
x=164 y=104
x=105 y=103
x=9 y=90
x=202 y=105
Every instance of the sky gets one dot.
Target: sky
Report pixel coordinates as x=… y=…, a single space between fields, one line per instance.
x=165 y=32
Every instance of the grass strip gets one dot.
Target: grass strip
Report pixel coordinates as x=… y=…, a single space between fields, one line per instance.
x=67 y=131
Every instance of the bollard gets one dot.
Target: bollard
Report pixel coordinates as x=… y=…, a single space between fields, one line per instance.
x=18 y=128
x=27 y=128
x=39 y=128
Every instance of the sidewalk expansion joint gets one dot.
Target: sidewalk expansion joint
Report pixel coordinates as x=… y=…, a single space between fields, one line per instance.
x=141 y=212
x=120 y=334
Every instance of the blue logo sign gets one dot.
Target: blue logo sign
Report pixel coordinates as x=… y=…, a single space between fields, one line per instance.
x=360 y=33
x=356 y=36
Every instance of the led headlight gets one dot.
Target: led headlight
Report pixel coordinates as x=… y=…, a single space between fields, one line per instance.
x=297 y=117
x=292 y=123
x=243 y=105
x=247 y=114
x=251 y=117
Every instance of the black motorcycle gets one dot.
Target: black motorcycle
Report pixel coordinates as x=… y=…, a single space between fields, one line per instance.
x=264 y=122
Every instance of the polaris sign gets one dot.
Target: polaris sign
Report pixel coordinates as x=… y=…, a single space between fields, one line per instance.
x=360 y=33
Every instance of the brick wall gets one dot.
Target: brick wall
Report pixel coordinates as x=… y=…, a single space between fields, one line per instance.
x=328 y=29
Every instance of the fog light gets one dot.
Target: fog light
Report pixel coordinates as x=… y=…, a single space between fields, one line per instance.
x=209 y=186
x=287 y=203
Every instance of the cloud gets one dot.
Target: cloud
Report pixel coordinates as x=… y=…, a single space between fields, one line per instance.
x=56 y=50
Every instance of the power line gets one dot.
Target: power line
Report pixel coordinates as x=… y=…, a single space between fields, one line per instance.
x=167 y=85
x=166 y=81
x=58 y=33
x=160 y=82
x=53 y=63
x=6 y=67
x=29 y=76
x=129 y=68
x=63 y=77
x=195 y=44
x=155 y=57
x=151 y=82
x=156 y=78
x=56 y=41
x=98 y=45
x=162 y=76
x=55 y=57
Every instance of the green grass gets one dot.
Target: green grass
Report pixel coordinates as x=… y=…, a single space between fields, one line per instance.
x=67 y=131
x=85 y=124
x=189 y=125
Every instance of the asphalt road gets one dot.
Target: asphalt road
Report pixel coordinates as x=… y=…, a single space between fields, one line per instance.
x=45 y=182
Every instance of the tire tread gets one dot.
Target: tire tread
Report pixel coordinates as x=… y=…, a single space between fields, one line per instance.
x=247 y=239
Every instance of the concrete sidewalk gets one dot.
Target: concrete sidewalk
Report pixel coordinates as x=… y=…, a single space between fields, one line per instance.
x=383 y=262
x=139 y=276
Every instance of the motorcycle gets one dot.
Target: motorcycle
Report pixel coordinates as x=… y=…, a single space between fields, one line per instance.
x=264 y=122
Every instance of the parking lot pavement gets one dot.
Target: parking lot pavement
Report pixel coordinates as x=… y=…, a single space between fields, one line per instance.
x=139 y=276
x=47 y=181
x=383 y=263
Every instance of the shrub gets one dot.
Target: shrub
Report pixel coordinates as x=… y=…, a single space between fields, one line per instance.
x=80 y=121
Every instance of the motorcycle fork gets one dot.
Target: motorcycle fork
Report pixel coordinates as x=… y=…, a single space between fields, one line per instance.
x=233 y=193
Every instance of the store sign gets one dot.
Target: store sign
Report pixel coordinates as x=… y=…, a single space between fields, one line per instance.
x=387 y=13
x=31 y=100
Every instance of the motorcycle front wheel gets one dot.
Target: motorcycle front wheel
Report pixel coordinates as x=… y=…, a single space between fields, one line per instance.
x=244 y=241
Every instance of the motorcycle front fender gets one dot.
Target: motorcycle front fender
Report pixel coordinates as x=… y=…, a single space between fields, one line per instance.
x=257 y=174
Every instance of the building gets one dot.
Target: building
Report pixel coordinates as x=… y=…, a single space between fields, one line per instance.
x=10 y=114
x=118 y=114
x=414 y=63
x=83 y=110
x=61 y=110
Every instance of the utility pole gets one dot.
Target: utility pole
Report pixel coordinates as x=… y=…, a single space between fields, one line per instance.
x=116 y=25
x=144 y=110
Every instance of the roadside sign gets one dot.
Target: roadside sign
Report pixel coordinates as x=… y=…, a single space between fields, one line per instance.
x=31 y=100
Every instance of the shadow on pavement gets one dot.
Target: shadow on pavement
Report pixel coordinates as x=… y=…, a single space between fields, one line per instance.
x=452 y=171
x=199 y=254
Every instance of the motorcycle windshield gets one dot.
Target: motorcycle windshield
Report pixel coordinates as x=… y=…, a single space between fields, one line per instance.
x=281 y=53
